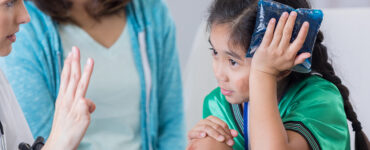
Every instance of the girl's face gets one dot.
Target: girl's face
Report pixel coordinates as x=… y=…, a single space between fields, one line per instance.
x=230 y=65
x=12 y=14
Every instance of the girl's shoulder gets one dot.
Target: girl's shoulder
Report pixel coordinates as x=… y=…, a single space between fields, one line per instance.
x=313 y=93
x=314 y=108
x=311 y=88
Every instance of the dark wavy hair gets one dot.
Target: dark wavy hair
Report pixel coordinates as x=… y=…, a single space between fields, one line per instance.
x=241 y=15
x=58 y=9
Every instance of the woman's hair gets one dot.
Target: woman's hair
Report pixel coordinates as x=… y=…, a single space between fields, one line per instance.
x=241 y=17
x=58 y=10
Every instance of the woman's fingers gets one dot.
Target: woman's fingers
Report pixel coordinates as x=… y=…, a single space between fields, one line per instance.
x=301 y=38
x=75 y=74
x=66 y=73
x=279 y=29
x=269 y=34
x=85 y=79
x=91 y=105
x=288 y=30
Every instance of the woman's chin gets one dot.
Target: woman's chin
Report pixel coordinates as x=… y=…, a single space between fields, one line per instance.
x=5 y=50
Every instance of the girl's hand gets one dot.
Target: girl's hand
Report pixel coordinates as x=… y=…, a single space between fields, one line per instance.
x=215 y=128
x=72 y=109
x=276 y=54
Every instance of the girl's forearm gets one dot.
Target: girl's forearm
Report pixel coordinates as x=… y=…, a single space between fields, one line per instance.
x=266 y=128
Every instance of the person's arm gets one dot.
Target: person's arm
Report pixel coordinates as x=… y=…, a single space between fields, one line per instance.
x=72 y=113
x=207 y=143
x=170 y=99
x=275 y=54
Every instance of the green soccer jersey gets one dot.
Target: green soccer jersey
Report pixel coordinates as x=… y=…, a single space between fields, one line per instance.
x=312 y=107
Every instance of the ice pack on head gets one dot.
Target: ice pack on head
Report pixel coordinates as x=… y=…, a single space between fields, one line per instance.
x=268 y=9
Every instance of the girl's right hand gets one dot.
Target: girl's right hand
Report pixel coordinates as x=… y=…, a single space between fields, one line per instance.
x=277 y=54
x=215 y=128
x=72 y=109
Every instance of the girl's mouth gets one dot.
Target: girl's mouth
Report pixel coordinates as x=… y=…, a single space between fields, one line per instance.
x=226 y=92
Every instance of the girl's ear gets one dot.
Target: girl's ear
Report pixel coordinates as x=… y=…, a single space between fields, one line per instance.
x=283 y=74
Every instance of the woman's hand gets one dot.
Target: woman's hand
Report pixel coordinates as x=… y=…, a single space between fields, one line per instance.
x=215 y=128
x=72 y=109
x=276 y=54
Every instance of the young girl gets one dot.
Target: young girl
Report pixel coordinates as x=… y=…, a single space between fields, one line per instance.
x=286 y=110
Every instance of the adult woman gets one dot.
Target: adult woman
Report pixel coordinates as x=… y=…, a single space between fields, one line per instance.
x=136 y=84
x=72 y=115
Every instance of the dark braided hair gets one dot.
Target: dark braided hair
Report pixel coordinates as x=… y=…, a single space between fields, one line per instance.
x=241 y=15
x=321 y=65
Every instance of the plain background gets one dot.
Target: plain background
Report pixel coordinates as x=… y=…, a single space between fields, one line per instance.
x=188 y=14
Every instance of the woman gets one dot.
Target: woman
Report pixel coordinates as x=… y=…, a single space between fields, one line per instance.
x=136 y=84
x=72 y=109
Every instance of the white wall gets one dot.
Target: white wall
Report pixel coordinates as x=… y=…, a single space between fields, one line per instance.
x=188 y=15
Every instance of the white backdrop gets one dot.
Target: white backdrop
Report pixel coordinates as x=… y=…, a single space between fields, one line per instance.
x=188 y=14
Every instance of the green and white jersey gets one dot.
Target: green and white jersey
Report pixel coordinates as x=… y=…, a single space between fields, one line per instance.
x=312 y=107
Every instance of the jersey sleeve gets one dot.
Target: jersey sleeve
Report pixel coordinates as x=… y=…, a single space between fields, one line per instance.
x=317 y=113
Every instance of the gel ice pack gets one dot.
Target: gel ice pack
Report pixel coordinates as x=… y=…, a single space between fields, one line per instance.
x=268 y=9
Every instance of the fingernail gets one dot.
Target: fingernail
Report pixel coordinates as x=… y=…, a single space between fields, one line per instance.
x=69 y=54
x=293 y=13
x=220 y=138
x=306 y=23
x=74 y=50
x=203 y=134
x=89 y=61
x=230 y=142
x=272 y=20
x=285 y=14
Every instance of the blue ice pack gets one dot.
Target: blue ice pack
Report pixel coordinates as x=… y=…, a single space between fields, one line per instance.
x=268 y=9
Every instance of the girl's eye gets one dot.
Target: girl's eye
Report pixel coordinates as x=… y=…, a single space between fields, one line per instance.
x=232 y=62
x=214 y=52
x=10 y=3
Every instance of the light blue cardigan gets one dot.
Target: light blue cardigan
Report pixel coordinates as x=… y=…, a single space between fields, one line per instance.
x=34 y=67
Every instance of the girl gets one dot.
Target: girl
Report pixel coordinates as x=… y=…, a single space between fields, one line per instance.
x=286 y=110
x=136 y=84
x=72 y=109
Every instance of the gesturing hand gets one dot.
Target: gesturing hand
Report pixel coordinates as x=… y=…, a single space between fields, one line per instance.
x=72 y=109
